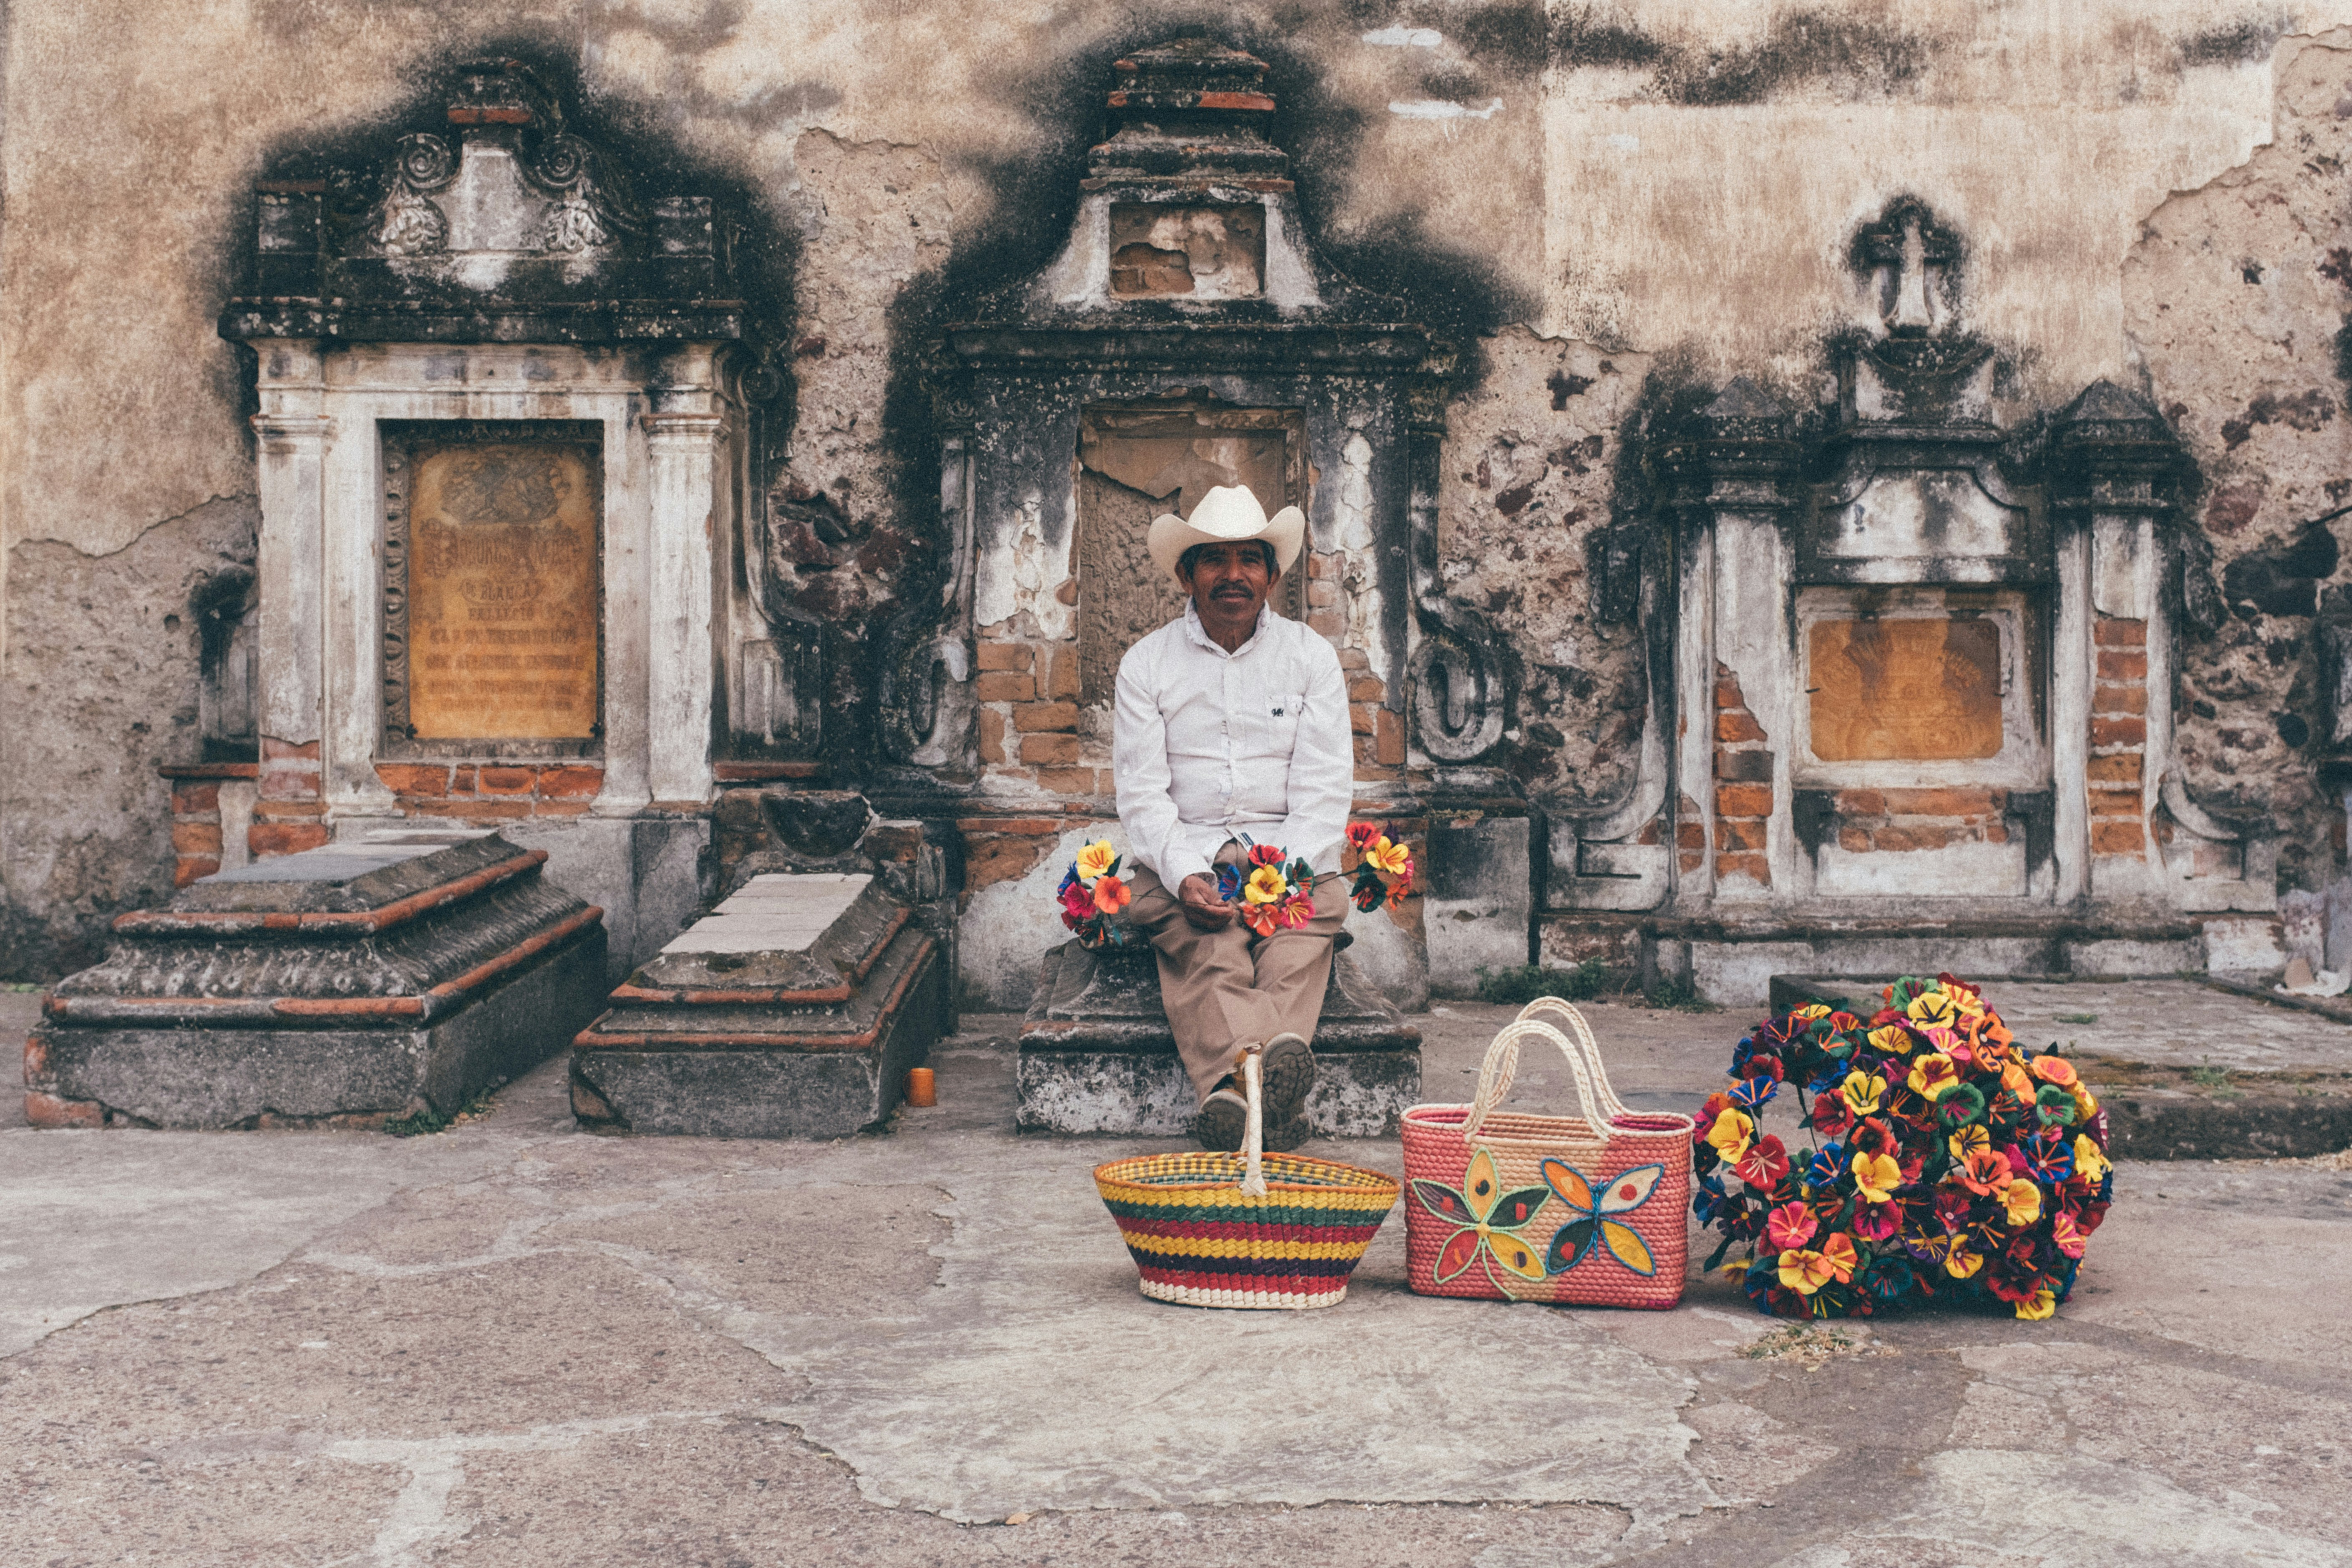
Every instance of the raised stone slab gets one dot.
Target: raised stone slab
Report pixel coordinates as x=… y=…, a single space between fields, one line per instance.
x=1095 y=1055
x=793 y=1010
x=345 y=984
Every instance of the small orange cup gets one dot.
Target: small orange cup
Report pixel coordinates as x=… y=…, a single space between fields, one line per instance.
x=921 y=1088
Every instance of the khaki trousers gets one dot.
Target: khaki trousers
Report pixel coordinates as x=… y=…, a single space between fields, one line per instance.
x=1230 y=988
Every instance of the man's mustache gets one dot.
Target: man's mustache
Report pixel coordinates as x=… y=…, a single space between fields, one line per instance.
x=1229 y=590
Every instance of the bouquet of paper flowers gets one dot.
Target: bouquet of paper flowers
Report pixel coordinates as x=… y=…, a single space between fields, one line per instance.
x=1943 y=1159
x=1277 y=893
x=1091 y=893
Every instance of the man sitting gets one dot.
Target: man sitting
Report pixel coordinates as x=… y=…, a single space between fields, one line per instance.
x=1231 y=731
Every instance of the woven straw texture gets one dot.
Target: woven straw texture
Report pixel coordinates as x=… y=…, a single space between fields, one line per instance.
x=1583 y=1211
x=1251 y=1229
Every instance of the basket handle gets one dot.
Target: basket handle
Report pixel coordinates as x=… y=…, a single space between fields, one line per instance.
x=1254 y=1135
x=1594 y=1097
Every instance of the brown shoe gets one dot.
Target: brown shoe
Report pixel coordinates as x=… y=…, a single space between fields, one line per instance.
x=1224 y=1123
x=1286 y=1077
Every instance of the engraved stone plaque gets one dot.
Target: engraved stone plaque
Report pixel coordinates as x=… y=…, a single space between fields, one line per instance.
x=1921 y=689
x=499 y=588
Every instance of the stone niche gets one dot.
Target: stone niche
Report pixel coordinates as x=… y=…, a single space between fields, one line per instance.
x=505 y=409
x=1186 y=335
x=1919 y=662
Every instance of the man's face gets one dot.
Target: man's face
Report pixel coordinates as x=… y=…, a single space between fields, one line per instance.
x=1230 y=582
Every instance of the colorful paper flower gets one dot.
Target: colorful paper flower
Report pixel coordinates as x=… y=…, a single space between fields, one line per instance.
x=2054 y=1105
x=1266 y=885
x=2022 y=1199
x=1096 y=859
x=1112 y=895
x=2067 y=1235
x=2051 y=1068
x=1297 y=910
x=1789 y=1225
x=1932 y=1074
x=1389 y=856
x=2090 y=1160
x=1875 y=1177
x=1893 y=1039
x=1984 y=1173
x=1960 y=1105
x=1803 y=1271
x=1765 y=1164
x=1265 y=854
x=1932 y=1009
x=1862 y=1093
x=1730 y=1135
x=1966 y=1141
x=2042 y=1304
x=1362 y=835
x=1753 y=1094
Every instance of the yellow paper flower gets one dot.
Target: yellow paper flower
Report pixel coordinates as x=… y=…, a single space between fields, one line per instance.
x=1934 y=1008
x=1810 y=1011
x=1862 y=1091
x=1389 y=856
x=1893 y=1039
x=2090 y=1160
x=1804 y=1271
x=1932 y=1075
x=2023 y=1201
x=1970 y=1005
x=2017 y=1080
x=1968 y=1140
x=1962 y=1264
x=1265 y=886
x=2086 y=1106
x=1875 y=1177
x=1096 y=859
x=1732 y=1132
x=2038 y=1306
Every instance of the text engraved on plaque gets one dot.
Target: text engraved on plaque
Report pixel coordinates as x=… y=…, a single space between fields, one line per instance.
x=503 y=591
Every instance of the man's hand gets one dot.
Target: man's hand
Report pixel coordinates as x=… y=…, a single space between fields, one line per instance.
x=1198 y=894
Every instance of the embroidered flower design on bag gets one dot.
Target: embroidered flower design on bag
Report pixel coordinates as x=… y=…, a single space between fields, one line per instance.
x=1490 y=1221
x=1621 y=1194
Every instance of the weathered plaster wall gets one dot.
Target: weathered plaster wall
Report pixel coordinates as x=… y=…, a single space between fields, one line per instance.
x=2238 y=296
x=1669 y=184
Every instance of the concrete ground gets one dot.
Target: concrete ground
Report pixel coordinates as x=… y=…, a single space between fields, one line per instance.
x=513 y=1343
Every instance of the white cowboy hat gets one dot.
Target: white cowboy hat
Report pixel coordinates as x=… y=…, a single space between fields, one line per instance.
x=1228 y=515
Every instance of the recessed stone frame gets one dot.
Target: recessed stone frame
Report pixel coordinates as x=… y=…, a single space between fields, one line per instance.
x=404 y=443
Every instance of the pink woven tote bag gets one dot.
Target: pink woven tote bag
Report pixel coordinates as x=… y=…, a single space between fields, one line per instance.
x=1586 y=1210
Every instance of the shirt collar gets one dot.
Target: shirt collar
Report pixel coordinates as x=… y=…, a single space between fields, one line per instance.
x=1201 y=637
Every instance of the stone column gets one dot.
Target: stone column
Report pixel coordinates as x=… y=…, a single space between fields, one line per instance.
x=684 y=436
x=293 y=437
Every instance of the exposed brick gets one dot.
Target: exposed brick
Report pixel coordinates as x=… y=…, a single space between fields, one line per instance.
x=1322 y=564
x=1652 y=831
x=272 y=750
x=195 y=837
x=1739 y=833
x=1387 y=738
x=2114 y=802
x=2123 y=768
x=1911 y=835
x=571 y=782
x=1994 y=833
x=1068 y=781
x=2116 y=665
x=196 y=797
x=2119 y=700
x=190 y=867
x=992 y=735
x=2119 y=731
x=1743 y=800
x=1322 y=596
x=1049 y=750
x=1004 y=655
x=1367 y=688
x=1860 y=802
x=2117 y=837
x=506 y=781
x=48 y=1110
x=1737 y=726
x=1691 y=859
x=289 y=810
x=1005 y=686
x=1328 y=622
x=999 y=857
x=1359 y=717
x=1727 y=694
x=545 y=807
x=2121 y=634
x=1853 y=840
x=1754 y=866
x=1751 y=766
x=1062 y=674
x=1354 y=659
x=1944 y=801
x=289 y=782
x=462 y=780
x=264 y=839
x=414 y=778
x=1366 y=754
x=1037 y=716
x=1690 y=835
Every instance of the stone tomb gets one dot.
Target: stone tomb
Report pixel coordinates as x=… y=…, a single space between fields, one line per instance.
x=344 y=984
x=793 y=1010
x=1095 y=1055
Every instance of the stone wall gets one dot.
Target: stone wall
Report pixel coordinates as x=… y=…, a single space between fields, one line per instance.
x=1614 y=211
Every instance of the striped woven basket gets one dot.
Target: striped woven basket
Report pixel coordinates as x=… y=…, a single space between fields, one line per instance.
x=1251 y=1229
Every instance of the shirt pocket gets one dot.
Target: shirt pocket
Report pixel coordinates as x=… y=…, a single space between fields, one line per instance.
x=1277 y=723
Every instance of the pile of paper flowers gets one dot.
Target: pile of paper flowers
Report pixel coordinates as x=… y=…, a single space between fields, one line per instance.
x=1942 y=1161
x=1091 y=892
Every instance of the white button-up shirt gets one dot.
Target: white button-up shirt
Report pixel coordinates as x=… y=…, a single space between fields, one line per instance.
x=1209 y=746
